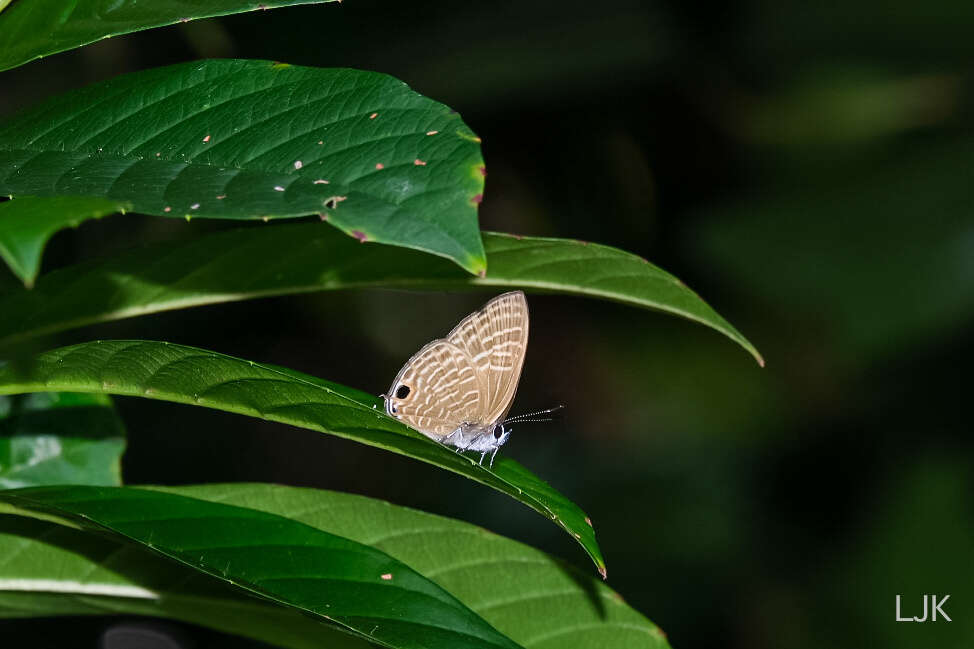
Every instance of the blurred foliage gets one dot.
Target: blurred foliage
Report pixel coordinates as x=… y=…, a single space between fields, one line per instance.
x=804 y=166
x=59 y=438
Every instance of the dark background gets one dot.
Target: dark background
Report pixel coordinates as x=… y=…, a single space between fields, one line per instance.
x=806 y=167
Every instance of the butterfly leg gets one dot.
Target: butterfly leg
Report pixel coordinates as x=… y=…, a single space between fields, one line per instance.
x=492 y=455
x=455 y=438
x=481 y=463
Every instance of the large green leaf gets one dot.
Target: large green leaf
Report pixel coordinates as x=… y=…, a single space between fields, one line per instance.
x=532 y=598
x=26 y=225
x=30 y=30
x=351 y=585
x=253 y=139
x=296 y=258
x=59 y=438
x=181 y=374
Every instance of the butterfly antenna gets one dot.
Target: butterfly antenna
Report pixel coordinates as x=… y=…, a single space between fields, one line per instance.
x=528 y=421
x=525 y=416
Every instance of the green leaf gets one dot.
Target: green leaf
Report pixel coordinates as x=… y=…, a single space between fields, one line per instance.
x=48 y=569
x=168 y=372
x=254 y=139
x=31 y=30
x=59 y=438
x=529 y=596
x=298 y=258
x=28 y=223
x=357 y=588
x=533 y=598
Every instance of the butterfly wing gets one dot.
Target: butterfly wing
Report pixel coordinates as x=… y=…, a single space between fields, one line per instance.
x=496 y=339
x=437 y=390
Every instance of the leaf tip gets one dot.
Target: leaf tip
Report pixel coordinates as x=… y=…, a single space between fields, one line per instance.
x=467 y=135
x=477 y=265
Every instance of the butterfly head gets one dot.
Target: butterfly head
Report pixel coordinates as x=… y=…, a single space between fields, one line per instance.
x=500 y=434
x=480 y=437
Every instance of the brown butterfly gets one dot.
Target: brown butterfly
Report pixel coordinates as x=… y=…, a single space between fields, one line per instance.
x=457 y=390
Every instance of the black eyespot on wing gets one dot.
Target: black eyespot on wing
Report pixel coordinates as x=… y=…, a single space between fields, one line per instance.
x=402 y=392
x=393 y=409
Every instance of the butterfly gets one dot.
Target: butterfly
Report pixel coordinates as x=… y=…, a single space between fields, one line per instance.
x=457 y=390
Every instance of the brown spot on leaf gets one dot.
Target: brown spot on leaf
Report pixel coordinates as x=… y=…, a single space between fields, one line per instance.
x=589 y=521
x=419 y=163
x=477 y=199
x=379 y=166
x=361 y=236
x=387 y=576
x=206 y=139
x=373 y=115
x=483 y=171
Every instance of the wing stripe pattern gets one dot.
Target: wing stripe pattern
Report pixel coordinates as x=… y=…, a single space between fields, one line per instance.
x=470 y=377
x=440 y=389
x=496 y=339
